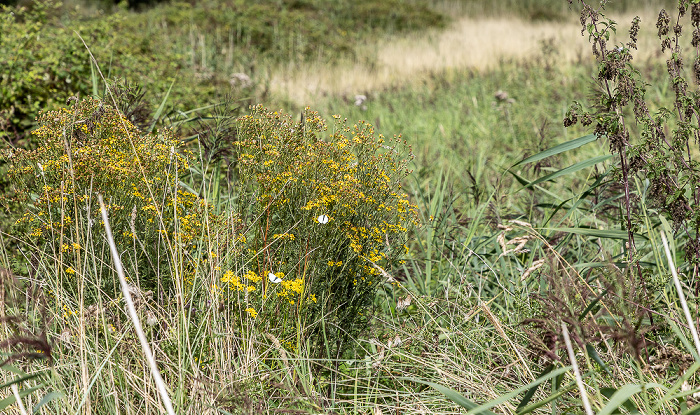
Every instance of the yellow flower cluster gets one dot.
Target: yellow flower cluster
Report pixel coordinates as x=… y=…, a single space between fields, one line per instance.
x=292 y=290
x=327 y=208
x=92 y=148
x=234 y=282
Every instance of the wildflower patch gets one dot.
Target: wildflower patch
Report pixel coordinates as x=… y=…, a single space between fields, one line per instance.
x=326 y=204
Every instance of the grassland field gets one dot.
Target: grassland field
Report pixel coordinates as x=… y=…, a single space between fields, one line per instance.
x=466 y=311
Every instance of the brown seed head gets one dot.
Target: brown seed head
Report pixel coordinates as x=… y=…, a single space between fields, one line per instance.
x=663 y=23
x=695 y=14
x=634 y=32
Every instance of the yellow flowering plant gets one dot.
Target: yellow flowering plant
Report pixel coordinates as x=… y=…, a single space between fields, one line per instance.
x=326 y=216
x=90 y=148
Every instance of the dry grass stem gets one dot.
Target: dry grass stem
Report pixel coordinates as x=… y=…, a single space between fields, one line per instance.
x=577 y=372
x=502 y=333
x=681 y=294
x=160 y=384
x=20 y=405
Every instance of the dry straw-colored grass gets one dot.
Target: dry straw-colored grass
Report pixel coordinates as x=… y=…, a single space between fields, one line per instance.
x=477 y=44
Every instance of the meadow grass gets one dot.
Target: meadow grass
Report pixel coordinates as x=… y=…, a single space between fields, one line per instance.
x=471 y=42
x=470 y=321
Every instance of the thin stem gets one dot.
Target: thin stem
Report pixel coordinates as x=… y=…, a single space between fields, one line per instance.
x=160 y=384
x=577 y=372
x=681 y=295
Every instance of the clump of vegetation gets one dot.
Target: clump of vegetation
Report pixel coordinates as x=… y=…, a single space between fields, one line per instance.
x=657 y=168
x=91 y=148
x=664 y=154
x=327 y=216
x=184 y=52
x=176 y=41
x=317 y=223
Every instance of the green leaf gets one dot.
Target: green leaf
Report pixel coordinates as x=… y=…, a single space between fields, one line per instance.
x=695 y=410
x=609 y=392
x=528 y=396
x=569 y=145
x=51 y=396
x=188 y=188
x=488 y=405
x=21 y=379
x=484 y=409
x=520 y=180
x=160 y=109
x=94 y=78
x=99 y=369
x=455 y=397
x=684 y=340
x=591 y=305
x=594 y=354
x=623 y=394
x=550 y=398
x=571 y=169
x=11 y=368
x=11 y=399
x=599 y=233
x=671 y=394
x=669 y=232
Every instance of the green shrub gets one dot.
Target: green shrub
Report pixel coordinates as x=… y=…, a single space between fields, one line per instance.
x=317 y=221
x=91 y=148
x=45 y=62
x=326 y=217
x=34 y=75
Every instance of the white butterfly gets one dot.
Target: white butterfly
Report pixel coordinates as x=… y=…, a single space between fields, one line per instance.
x=323 y=219
x=274 y=278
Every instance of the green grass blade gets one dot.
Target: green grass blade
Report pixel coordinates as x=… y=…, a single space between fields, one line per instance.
x=594 y=354
x=21 y=379
x=591 y=305
x=99 y=370
x=520 y=179
x=528 y=396
x=571 y=169
x=11 y=399
x=219 y=410
x=188 y=188
x=676 y=386
x=11 y=368
x=477 y=220
x=569 y=145
x=160 y=109
x=562 y=391
x=506 y=397
x=455 y=397
x=684 y=340
x=599 y=233
x=623 y=394
x=51 y=396
x=95 y=80
x=628 y=404
x=692 y=411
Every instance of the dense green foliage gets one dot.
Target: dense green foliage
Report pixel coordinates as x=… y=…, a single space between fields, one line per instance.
x=329 y=215
x=45 y=60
